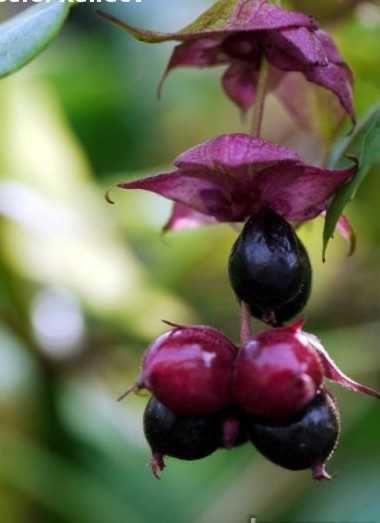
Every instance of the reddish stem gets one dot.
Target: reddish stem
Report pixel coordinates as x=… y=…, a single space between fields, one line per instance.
x=245 y=323
x=231 y=427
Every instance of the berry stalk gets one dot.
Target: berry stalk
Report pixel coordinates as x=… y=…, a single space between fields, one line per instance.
x=258 y=108
x=245 y=323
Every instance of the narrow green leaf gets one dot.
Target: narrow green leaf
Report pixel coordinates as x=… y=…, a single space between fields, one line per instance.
x=25 y=35
x=364 y=145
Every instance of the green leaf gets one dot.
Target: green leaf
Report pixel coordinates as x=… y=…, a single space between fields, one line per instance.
x=213 y=19
x=25 y=35
x=363 y=144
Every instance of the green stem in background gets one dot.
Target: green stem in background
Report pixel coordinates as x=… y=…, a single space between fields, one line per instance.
x=258 y=108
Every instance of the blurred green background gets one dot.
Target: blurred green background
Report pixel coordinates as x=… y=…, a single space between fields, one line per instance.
x=84 y=285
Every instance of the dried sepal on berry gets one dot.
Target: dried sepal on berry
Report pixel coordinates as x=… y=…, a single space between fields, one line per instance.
x=332 y=371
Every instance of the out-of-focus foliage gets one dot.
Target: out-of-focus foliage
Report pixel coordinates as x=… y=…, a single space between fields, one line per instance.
x=84 y=285
x=326 y=12
x=24 y=36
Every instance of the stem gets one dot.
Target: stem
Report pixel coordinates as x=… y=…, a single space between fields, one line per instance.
x=258 y=108
x=245 y=323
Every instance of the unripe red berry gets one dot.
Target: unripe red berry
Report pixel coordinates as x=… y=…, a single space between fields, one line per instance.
x=308 y=441
x=277 y=373
x=189 y=370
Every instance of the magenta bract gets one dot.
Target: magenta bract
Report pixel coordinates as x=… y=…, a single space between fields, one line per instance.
x=230 y=177
x=239 y=34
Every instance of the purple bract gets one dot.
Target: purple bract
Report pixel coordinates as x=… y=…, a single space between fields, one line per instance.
x=230 y=177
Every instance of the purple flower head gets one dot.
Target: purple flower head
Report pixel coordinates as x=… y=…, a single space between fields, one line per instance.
x=238 y=34
x=232 y=176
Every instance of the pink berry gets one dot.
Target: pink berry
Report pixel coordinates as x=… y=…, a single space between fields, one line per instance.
x=277 y=373
x=189 y=370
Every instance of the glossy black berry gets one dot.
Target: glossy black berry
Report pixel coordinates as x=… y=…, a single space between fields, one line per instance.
x=307 y=441
x=269 y=268
x=182 y=437
x=189 y=437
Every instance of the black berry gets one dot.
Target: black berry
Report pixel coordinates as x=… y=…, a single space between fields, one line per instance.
x=186 y=437
x=307 y=441
x=270 y=269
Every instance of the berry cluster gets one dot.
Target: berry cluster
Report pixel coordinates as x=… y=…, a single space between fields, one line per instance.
x=209 y=394
x=206 y=392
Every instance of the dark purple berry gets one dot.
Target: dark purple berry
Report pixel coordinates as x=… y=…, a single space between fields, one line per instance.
x=188 y=437
x=277 y=373
x=270 y=269
x=307 y=441
x=189 y=369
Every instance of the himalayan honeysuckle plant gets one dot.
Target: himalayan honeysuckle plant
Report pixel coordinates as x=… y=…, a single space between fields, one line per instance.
x=208 y=393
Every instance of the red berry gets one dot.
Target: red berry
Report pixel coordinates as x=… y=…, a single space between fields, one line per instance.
x=277 y=373
x=189 y=370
